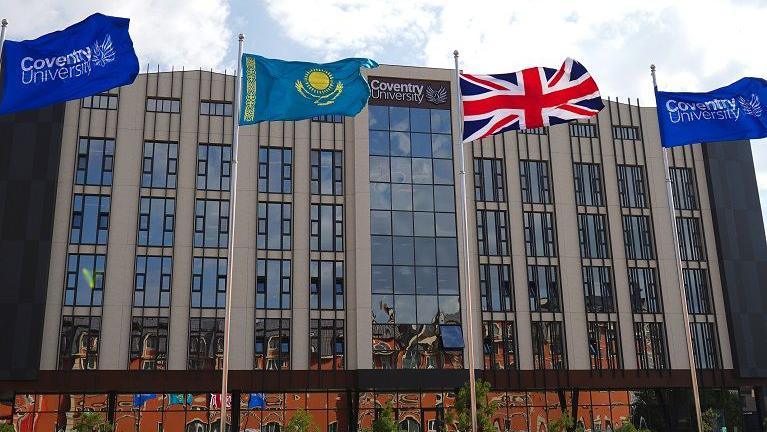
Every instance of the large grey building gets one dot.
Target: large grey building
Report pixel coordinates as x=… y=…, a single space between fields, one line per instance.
x=349 y=277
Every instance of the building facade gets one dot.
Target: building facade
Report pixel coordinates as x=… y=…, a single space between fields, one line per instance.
x=349 y=281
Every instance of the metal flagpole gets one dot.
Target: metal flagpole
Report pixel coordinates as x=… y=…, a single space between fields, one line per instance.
x=469 y=318
x=230 y=246
x=3 y=24
x=680 y=278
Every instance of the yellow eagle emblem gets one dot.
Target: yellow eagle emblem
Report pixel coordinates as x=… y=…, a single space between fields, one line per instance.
x=319 y=87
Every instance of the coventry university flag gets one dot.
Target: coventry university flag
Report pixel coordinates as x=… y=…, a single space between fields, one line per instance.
x=729 y=113
x=291 y=90
x=84 y=59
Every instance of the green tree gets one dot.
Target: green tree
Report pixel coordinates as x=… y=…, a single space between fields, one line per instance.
x=629 y=427
x=300 y=422
x=461 y=416
x=385 y=420
x=709 y=418
x=91 y=422
x=562 y=424
x=6 y=427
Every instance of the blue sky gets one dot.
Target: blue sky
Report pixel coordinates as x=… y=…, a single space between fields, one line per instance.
x=696 y=45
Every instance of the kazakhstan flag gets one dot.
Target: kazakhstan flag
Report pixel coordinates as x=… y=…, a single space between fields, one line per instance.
x=291 y=90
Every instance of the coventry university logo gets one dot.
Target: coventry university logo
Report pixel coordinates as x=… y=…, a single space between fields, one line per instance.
x=319 y=86
x=437 y=97
x=103 y=52
x=74 y=64
x=751 y=107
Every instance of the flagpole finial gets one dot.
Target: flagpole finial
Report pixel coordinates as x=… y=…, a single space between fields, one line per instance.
x=241 y=37
x=4 y=22
x=652 y=68
x=455 y=53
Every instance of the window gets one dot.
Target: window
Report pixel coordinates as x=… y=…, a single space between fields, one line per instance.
x=534 y=176
x=492 y=236
x=543 y=288
x=583 y=130
x=592 y=234
x=588 y=184
x=206 y=344
x=95 y=161
x=539 y=234
x=326 y=344
x=153 y=281
x=326 y=285
x=101 y=101
x=327 y=172
x=166 y=105
x=209 y=282
x=626 y=132
x=683 y=189
x=603 y=345
x=273 y=284
x=79 y=342
x=489 y=183
x=214 y=164
x=638 y=238
x=160 y=165
x=148 y=343
x=495 y=286
x=90 y=219
x=534 y=131
x=698 y=295
x=156 y=220
x=216 y=108
x=211 y=223
x=548 y=345
x=690 y=240
x=650 y=342
x=644 y=290
x=274 y=226
x=597 y=289
x=327 y=227
x=328 y=118
x=704 y=345
x=498 y=344
x=272 y=348
x=275 y=170
x=631 y=186
x=85 y=280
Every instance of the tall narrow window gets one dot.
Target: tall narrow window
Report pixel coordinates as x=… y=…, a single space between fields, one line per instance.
x=90 y=219
x=704 y=345
x=272 y=346
x=539 y=234
x=206 y=344
x=326 y=285
x=275 y=170
x=631 y=186
x=211 y=223
x=543 y=289
x=698 y=295
x=592 y=233
x=683 y=188
x=583 y=130
x=536 y=187
x=148 y=343
x=273 y=284
x=498 y=344
x=160 y=165
x=492 y=235
x=95 y=161
x=105 y=101
x=85 y=280
x=274 y=226
x=79 y=342
x=327 y=172
x=626 y=132
x=637 y=234
x=650 y=342
x=153 y=281
x=598 y=289
x=216 y=108
x=326 y=344
x=488 y=180
x=588 y=184
x=644 y=290
x=208 y=282
x=155 y=221
x=495 y=286
x=548 y=345
x=164 y=105
x=327 y=227
x=690 y=238
x=213 y=167
x=603 y=345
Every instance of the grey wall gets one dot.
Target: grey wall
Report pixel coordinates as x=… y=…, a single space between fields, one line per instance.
x=739 y=232
x=30 y=144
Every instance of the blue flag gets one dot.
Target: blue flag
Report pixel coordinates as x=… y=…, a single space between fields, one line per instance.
x=257 y=400
x=729 y=113
x=84 y=59
x=178 y=399
x=140 y=398
x=290 y=90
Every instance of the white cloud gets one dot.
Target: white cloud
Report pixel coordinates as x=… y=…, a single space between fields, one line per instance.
x=190 y=33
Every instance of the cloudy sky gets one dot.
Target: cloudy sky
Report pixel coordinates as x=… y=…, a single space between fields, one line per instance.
x=696 y=45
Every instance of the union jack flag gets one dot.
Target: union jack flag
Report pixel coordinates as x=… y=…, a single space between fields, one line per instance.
x=527 y=99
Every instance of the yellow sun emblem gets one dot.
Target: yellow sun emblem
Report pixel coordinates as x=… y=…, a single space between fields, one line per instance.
x=319 y=86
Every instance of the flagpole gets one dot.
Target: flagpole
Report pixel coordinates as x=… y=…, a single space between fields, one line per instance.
x=469 y=318
x=3 y=25
x=230 y=245
x=680 y=278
